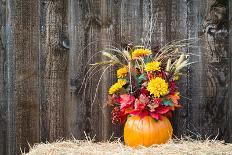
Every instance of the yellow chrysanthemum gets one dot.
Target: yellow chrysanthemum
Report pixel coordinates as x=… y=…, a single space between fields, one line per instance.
x=117 y=86
x=152 y=66
x=122 y=72
x=140 y=53
x=158 y=87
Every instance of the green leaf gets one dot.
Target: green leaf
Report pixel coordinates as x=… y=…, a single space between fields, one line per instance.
x=141 y=78
x=147 y=59
x=167 y=102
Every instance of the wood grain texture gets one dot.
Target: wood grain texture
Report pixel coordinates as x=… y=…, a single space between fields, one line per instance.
x=76 y=124
x=25 y=38
x=196 y=80
x=218 y=72
x=41 y=73
x=131 y=21
x=3 y=103
x=178 y=30
x=228 y=135
x=53 y=68
x=209 y=81
x=10 y=71
x=92 y=24
x=22 y=67
x=154 y=23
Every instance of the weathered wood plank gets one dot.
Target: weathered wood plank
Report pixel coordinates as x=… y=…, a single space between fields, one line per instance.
x=210 y=77
x=3 y=103
x=218 y=73
x=53 y=68
x=161 y=15
x=10 y=71
x=91 y=23
x=178 y=30
x=131 y=21
x=77 y=122
x=26 y=48
x=228 y=135
x=196 y=77
x=22 y=71
x=107 y=38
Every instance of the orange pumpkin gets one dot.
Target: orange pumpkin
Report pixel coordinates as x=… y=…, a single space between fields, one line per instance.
x=146 y=131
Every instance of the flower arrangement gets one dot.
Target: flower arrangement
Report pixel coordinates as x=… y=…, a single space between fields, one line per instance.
x=146 y=80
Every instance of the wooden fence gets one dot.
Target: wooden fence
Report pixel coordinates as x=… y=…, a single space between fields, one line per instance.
x=45 y=46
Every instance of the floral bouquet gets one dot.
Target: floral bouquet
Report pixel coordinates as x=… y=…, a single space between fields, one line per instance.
x=146 y=81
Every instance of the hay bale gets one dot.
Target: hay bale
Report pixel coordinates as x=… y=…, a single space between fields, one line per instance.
x=173 y=147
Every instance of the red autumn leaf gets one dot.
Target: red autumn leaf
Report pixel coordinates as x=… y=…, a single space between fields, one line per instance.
x=119 y=116
x=141 y=102
x=140 y=113
x=152 y=106
x=162 y=109
x=143 y=99
x=125 y=101
x=143 y=113
x=150 y=76
x=158 y=100
x=169 y=114
x=135 y=112
x=122 y=119
x=155 y=115
x=175 y=97
x=144 y=91
x=128 y=110
x=140 y=105
x=171 y=108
